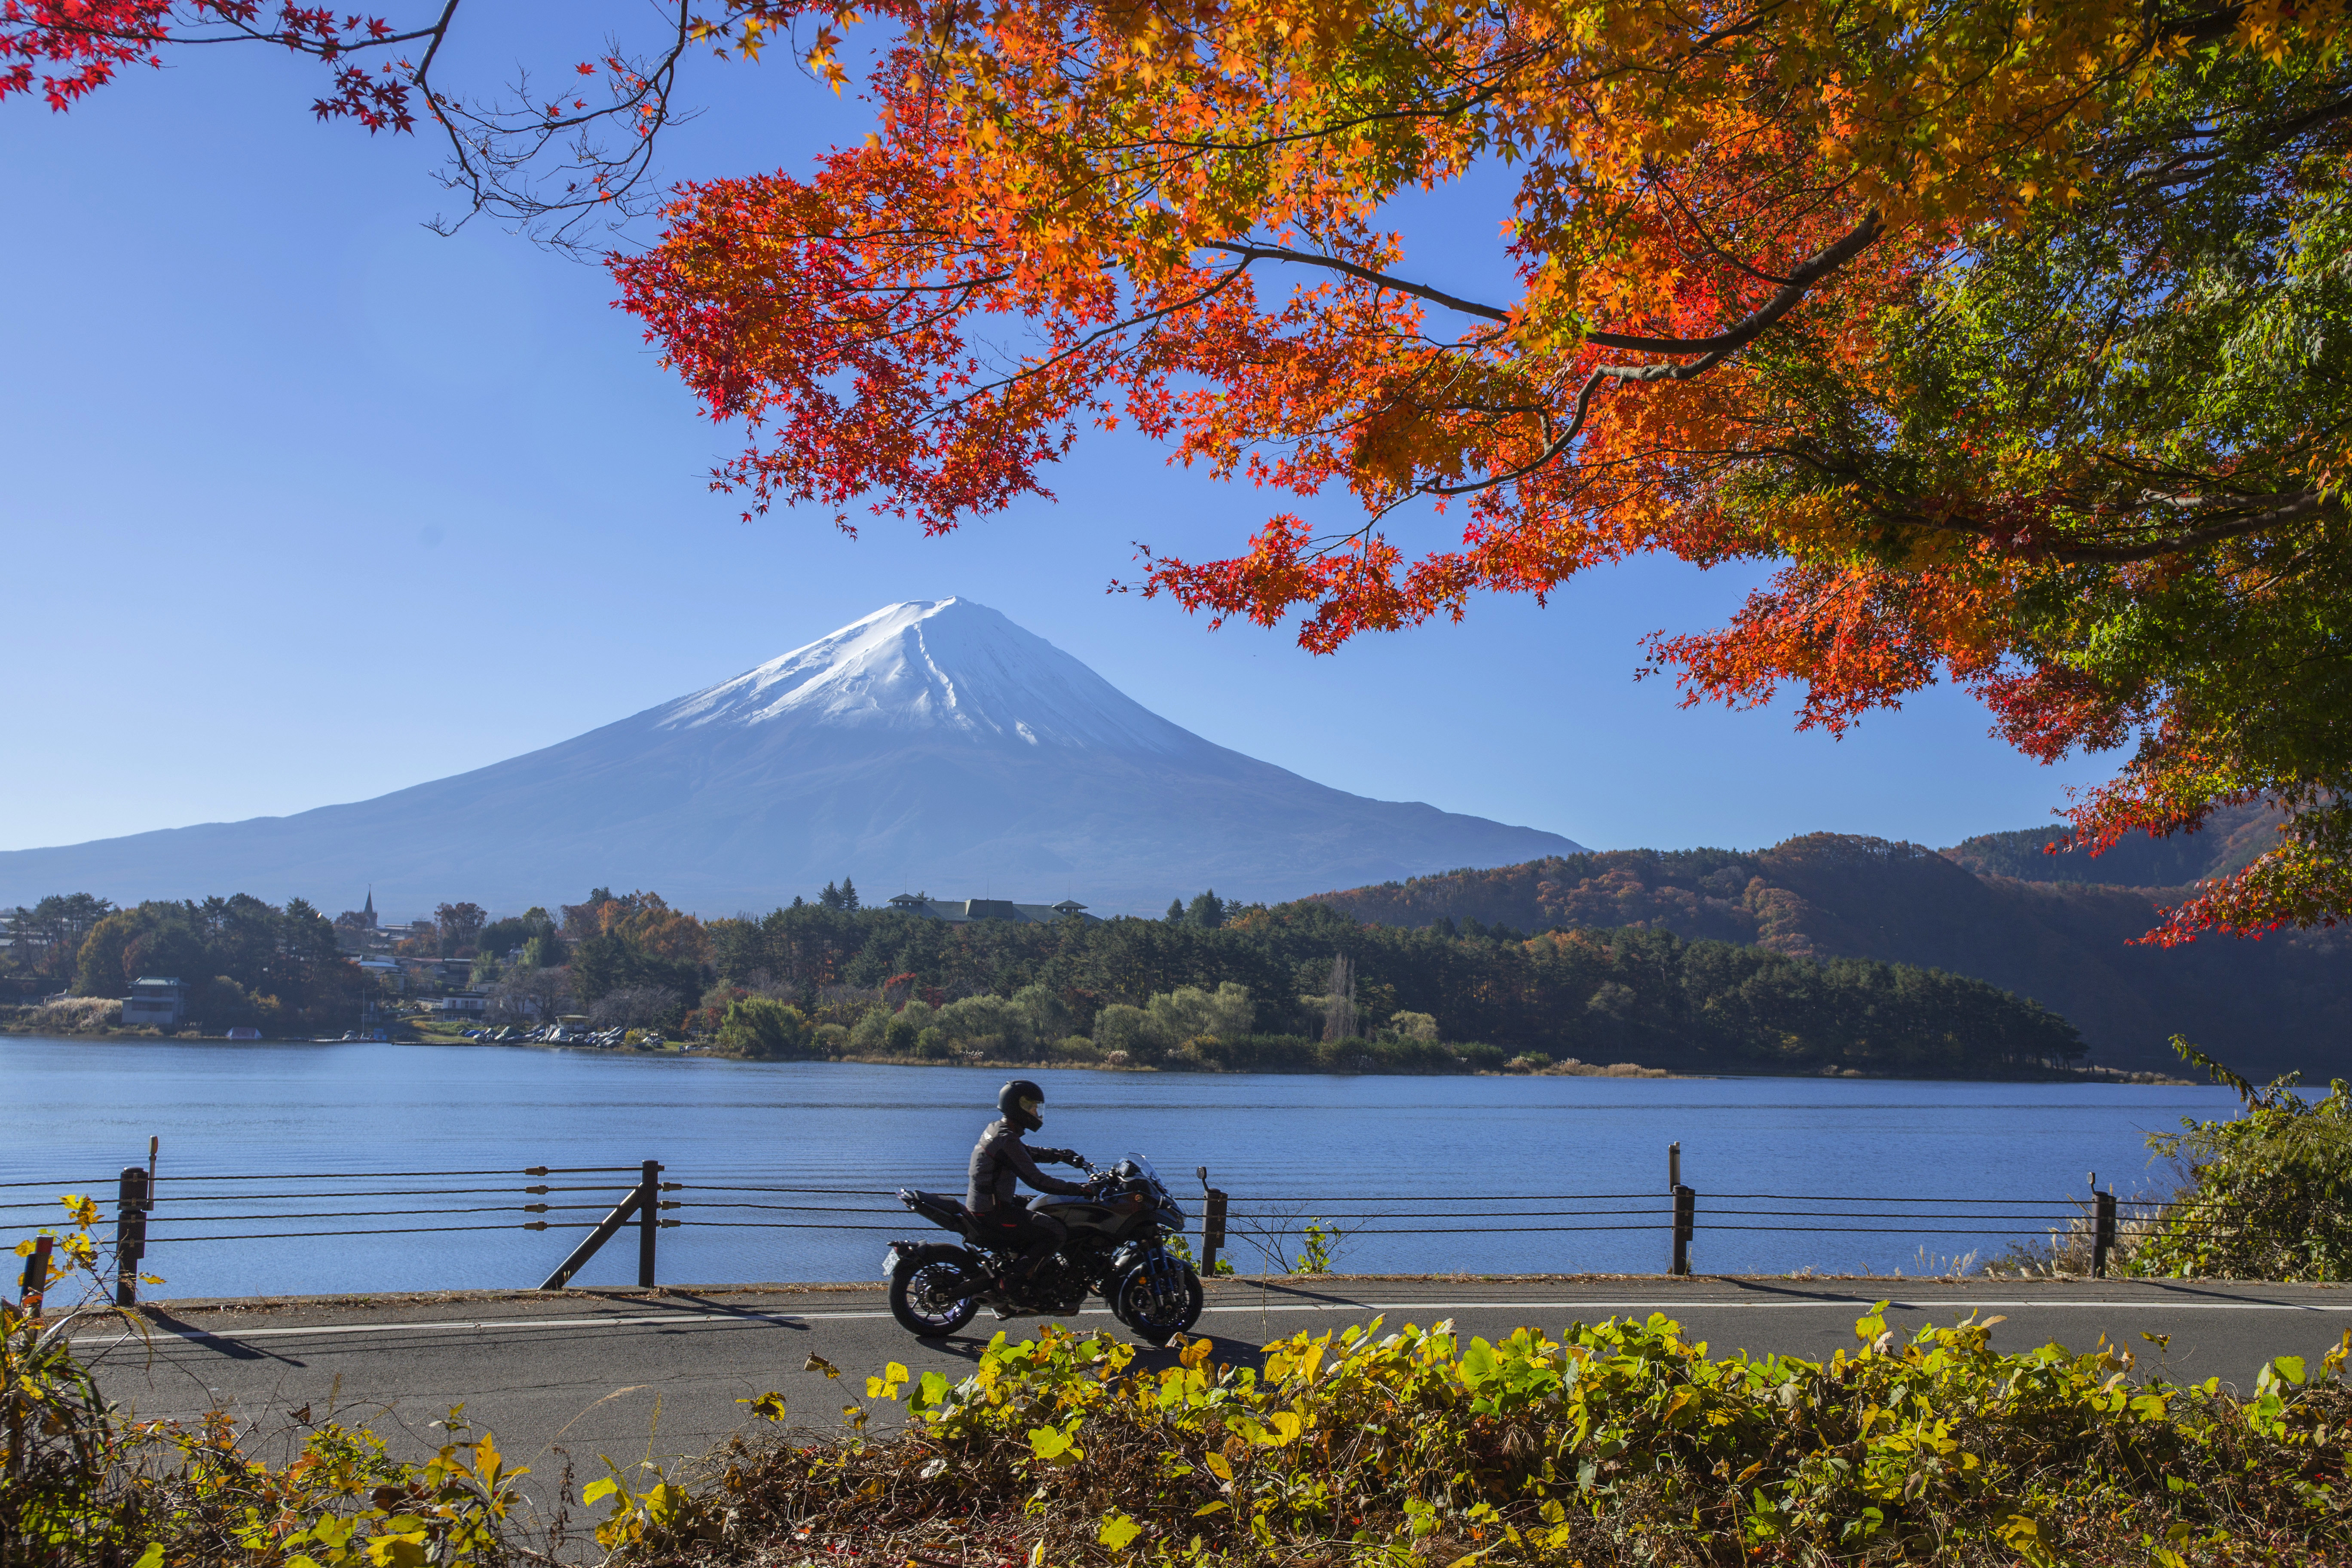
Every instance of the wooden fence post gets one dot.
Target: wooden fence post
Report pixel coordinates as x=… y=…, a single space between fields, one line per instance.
x=2103 y=1235
x=1685 y=1222
x=1213 y=1226
x=649 y=1220
x=35 y=1282
x=644 y=1204
x=130 y=1234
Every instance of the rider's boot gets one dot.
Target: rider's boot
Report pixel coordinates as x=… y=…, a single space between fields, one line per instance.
x=1013 y=1282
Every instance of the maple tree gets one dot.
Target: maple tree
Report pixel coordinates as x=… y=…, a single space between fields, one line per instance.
x=2012 y=333
x=563 y=162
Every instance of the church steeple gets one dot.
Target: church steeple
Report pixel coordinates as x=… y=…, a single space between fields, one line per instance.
x=368 y=908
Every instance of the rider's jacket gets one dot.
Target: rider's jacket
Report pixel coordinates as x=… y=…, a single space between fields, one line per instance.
x=996 y=1160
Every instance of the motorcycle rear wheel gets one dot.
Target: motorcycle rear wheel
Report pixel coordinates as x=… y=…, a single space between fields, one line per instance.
x=1136 y=1305
x=918 y=1298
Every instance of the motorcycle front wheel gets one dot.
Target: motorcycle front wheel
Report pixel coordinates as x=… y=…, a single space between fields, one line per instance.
x=926 y=1297
x=1156 y=1317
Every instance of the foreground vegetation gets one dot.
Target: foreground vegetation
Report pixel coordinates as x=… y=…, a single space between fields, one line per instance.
x=1618 y=1443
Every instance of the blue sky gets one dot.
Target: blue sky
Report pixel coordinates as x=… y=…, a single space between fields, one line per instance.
x=305 y=503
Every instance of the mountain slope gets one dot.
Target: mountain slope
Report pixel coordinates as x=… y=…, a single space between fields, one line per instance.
x=2277 y=1005
x=931 y=744
x=2227 y=844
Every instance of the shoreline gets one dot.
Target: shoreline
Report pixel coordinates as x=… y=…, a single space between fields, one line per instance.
x=2080 y=1076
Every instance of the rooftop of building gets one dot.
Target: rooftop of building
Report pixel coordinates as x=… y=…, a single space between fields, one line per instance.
x=958 y=912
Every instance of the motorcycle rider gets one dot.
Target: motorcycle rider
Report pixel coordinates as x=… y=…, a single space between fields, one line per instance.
x=997 y=1160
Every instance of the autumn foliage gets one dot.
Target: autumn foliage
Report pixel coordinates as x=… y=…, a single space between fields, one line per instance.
x=2005 y=331
x=2014 y=337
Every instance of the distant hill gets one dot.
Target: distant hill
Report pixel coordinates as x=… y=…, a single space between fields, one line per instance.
x=2267 y=1008
x=2228 y=843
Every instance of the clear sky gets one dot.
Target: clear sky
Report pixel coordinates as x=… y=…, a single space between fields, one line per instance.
x=304 y=503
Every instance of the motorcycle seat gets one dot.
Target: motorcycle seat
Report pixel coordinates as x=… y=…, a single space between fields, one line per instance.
x=940 y=1207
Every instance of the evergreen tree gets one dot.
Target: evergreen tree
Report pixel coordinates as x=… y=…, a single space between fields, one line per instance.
x=1208 y=909
x=848 y=894
x=830 y=898
x=1175 y=911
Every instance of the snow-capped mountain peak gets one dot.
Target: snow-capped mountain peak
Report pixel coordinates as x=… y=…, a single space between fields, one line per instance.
x=932 y=744
x=947 y=665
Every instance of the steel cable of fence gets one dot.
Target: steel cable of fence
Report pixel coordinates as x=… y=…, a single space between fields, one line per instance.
x=177 y=1218
x=395 y=1230
x=387 y=1175
x=329 y=1194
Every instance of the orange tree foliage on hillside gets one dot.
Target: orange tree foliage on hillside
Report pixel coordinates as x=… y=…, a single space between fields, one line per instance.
x=2011 y=332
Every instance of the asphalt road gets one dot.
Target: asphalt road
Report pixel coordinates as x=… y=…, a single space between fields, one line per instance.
x=638 y=1374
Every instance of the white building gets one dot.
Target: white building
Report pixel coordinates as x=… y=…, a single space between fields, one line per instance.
x=156 y=1004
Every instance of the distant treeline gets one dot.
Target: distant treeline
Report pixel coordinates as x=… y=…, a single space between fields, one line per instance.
x=244 y=964
x=2280 y=1004
x=1598 y=995
x=1296 y=985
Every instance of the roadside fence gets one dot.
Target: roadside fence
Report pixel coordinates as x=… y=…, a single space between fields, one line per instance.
x=162 y=1212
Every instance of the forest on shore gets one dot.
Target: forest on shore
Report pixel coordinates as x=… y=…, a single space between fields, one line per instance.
x=1314 y=976
x=1299 y=986
x=2060 y=928
x=1214 y=988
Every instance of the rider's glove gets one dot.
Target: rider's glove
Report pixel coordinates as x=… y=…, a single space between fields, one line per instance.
x=1057 y=1156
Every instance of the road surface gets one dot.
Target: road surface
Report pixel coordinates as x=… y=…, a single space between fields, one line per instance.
x=632 y=1374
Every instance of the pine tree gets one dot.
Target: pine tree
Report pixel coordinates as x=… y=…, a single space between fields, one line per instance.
x=848 y=894
x=1175 y=911
x=830 y=898
x=1208 y=909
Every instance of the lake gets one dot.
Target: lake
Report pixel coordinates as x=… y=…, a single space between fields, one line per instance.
x=1429 y=1173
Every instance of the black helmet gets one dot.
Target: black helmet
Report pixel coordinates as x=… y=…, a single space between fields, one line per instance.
x=1019 y=1100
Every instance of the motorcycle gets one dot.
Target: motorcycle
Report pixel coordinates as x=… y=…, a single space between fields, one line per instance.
x=1117 y=1247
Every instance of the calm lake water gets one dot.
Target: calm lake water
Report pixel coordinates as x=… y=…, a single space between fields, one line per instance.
x=78 y=1111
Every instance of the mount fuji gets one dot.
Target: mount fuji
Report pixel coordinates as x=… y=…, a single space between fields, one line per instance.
x=934 y=744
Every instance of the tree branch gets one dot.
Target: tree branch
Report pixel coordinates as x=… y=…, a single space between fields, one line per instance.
x=1801 y=282
x=1419 y=290
x=2309 y=503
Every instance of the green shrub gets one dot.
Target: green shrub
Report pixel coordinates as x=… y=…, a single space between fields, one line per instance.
x=1411 y=1026
x=764 y=1027
x=932 y=1045
x=1119 y=1027
x=2269 y=1195
x=904 y=1026
x=1619 y=1444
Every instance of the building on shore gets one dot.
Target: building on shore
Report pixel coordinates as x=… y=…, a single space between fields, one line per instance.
x=960 y=911
x=155 y=1003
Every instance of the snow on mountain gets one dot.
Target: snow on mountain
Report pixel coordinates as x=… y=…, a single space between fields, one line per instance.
x=946 y=665
x=932 y=746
